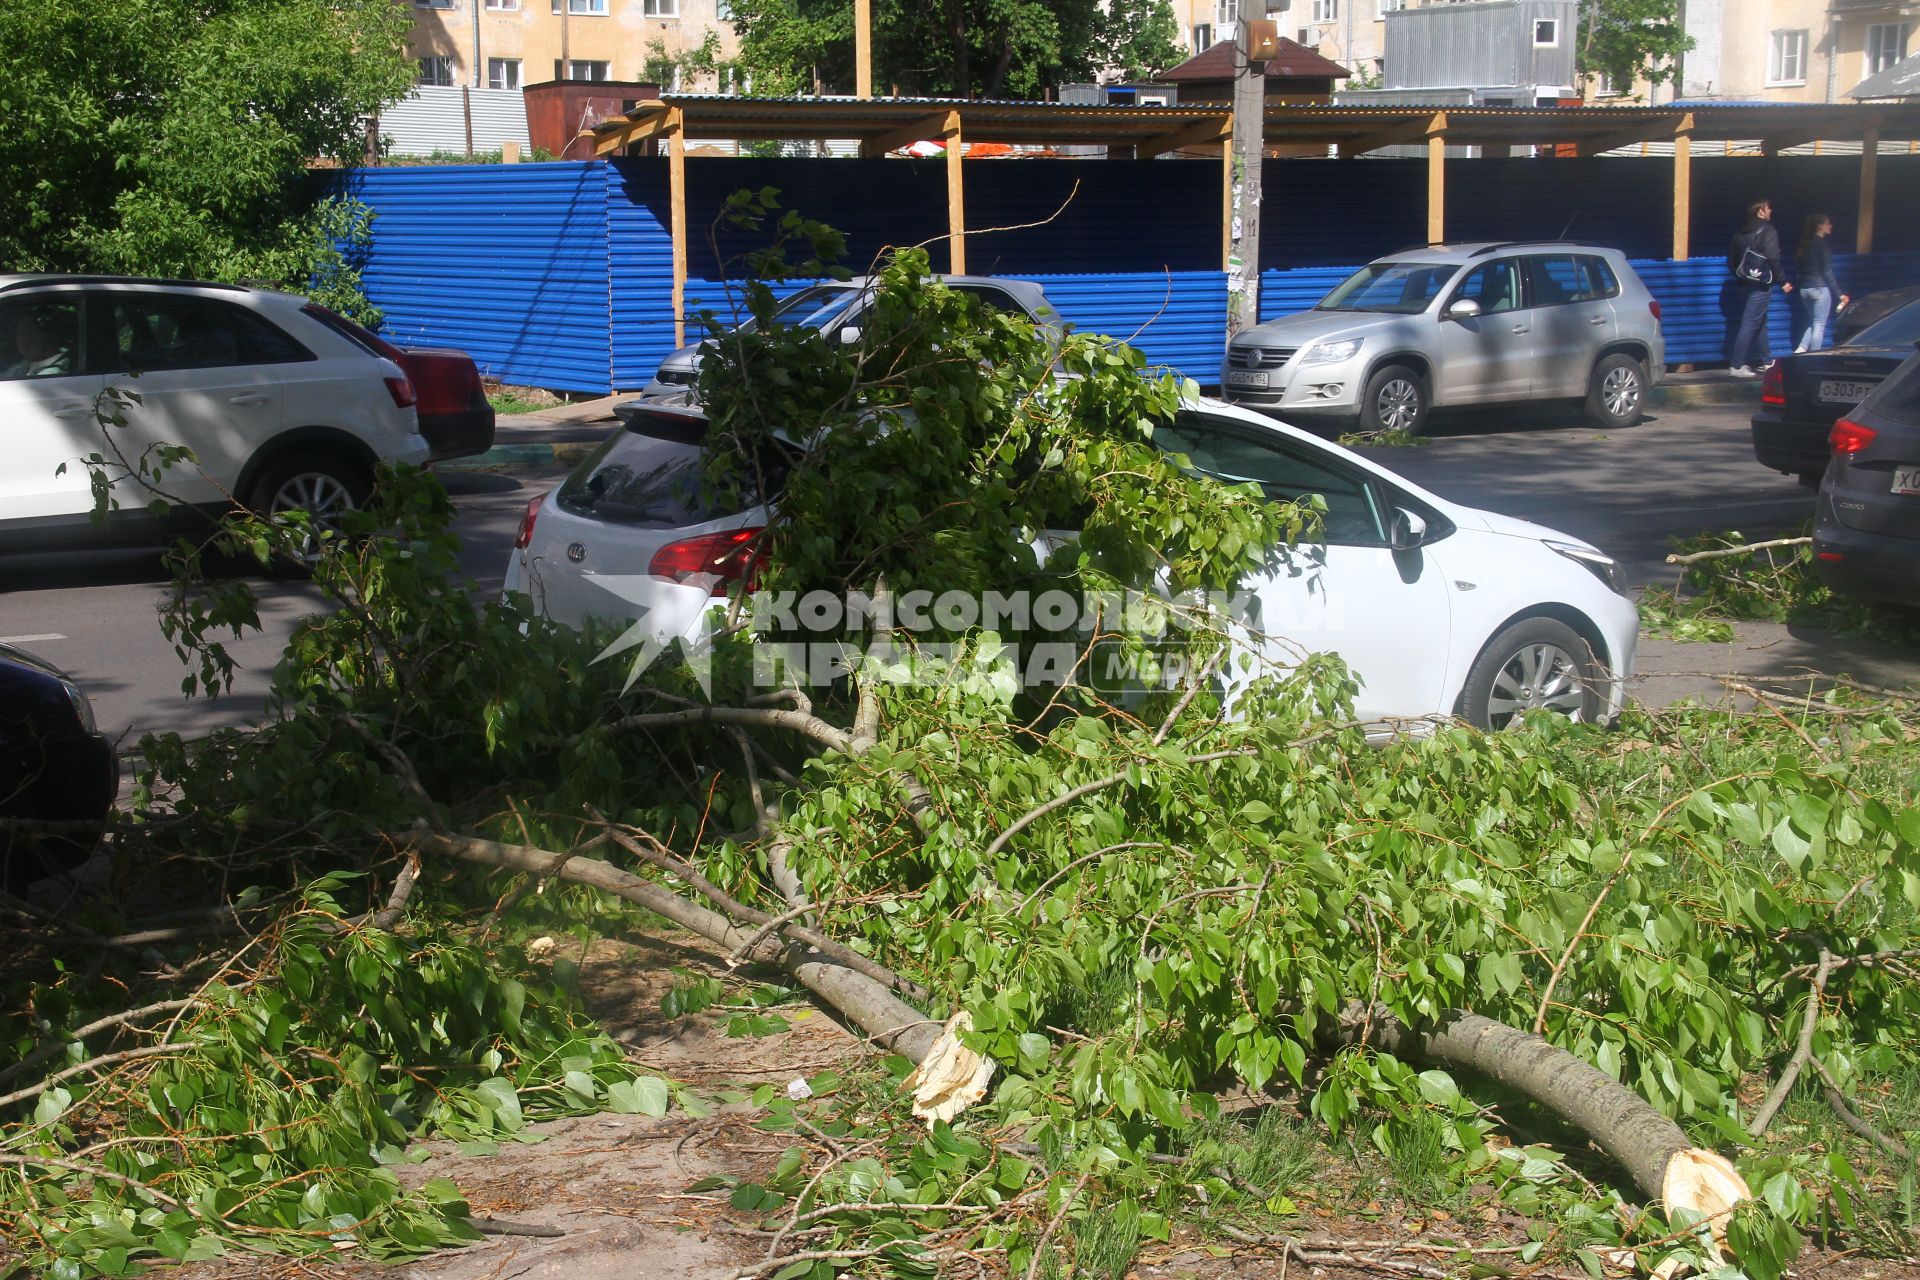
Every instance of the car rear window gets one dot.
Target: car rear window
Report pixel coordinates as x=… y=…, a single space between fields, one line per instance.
x=658 y=479
x=1899 y=396
x=1896 y=330
x=364 y=338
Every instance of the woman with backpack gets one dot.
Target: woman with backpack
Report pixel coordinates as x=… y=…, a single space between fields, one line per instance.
x=1754 y=260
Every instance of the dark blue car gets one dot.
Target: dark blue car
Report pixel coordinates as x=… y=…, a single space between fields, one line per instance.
x=55 y=766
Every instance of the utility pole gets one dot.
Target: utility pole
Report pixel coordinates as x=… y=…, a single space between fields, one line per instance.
x=863 y=48
x=1249 y=149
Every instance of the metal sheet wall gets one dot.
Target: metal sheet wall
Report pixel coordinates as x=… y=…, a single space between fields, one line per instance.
x=506 y=262
x=433 y=118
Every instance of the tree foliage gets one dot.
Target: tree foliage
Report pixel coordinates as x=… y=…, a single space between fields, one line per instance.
x=1628 y=41
x=172 y=138
x=957 y=48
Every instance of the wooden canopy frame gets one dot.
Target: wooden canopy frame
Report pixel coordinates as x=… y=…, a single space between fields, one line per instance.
x=881 y=125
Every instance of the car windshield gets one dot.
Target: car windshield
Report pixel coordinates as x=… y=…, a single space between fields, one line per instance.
x=1897 y=330
x=1404 y=288
x=811 y=308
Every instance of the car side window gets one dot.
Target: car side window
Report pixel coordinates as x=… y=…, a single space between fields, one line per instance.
x=992 y=299
x=40 y=338
x=1494 y=285
x=1284 y=470
x=156 y=333
x=1558 y=279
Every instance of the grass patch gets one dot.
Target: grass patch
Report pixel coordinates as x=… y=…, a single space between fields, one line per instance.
x=1383 y=440
x=508 y=401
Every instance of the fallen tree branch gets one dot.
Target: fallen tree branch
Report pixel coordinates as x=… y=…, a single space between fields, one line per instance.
x=82 y=1068
x=1721 y=553
x=866 y=1001
x=1802 y=1054
x=53 y=1050
x=1852 y=1119
x=800 y=722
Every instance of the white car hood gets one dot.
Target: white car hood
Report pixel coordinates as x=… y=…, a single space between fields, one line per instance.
x=1514 y=527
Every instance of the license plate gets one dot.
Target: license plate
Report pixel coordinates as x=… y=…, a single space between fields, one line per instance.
x=1246 y=378
x=1839 y=392
x=1906 y=480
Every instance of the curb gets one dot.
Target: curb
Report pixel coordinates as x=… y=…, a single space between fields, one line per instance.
x=1698 y=395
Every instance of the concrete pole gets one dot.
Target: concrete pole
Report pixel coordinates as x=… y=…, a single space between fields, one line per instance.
x=1249 y=149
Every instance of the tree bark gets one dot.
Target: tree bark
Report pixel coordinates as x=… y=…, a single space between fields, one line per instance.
x=1623 y=1123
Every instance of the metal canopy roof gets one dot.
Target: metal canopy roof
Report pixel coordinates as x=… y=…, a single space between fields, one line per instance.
x=884 y=124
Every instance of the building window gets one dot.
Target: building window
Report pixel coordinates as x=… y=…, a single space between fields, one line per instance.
x=437 y=71
x=579 y=69
x=1391 y=6
x=722 y=11
x=503 y=6
x=1886 y=45
x=664 y=72
x=1202 y=36
x=503 y=73
x=659 y=8
x=1604 y=87
x=1326 y=10
x=1546 y=33
x=433 y=4
x=587 y=8
x=1787 y=57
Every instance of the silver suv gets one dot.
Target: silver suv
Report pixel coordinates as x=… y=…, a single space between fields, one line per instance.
x=1459 y=324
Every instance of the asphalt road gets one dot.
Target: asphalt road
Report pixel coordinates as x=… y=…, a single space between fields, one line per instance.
x=1629 y=492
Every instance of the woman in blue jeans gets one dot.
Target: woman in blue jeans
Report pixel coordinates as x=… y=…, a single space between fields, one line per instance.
x=1818 y=288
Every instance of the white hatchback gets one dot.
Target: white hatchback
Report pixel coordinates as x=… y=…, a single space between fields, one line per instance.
x=280 y=404
x=1438 y=609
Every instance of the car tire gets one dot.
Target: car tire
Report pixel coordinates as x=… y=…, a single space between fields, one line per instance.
x=325 y=485
x=1617 y=392
x=1535 y=663
x=1395 y=399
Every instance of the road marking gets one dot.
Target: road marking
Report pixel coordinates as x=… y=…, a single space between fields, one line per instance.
x=51 y=635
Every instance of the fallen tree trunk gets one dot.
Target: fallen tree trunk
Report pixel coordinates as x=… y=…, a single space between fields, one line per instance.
x=888 y=1021
x=1653 y=1150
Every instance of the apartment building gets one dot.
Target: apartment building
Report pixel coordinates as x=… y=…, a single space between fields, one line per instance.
x=509 y=44
x=1782 y=50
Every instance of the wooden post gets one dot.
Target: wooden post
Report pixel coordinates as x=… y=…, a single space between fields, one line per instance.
x=466 y=113
x=1869 y=184
x=1437 y=187
x=677 y=205
x=956 y=199
x=1683 y=188
x=863 y=48
x=509 y=152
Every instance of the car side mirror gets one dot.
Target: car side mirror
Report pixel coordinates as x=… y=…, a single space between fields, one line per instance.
x=1462 y=309
x=1405 y=531
x=849 y=335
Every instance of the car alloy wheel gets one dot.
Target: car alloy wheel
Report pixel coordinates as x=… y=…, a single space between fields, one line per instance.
x=320 y=495
x=1620 y=391
x=1537 y=676
x=1398 y=405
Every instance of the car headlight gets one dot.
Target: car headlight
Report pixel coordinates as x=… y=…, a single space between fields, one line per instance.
x=82 y=707
x=1599 y=564
x=1331 y=352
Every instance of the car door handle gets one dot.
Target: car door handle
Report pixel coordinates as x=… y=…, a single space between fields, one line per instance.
x=248 y=399
x=1521 y=328
x=74 y=411
x=1596 y=319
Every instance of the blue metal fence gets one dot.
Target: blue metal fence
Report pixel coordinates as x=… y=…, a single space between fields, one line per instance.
x=560 y=275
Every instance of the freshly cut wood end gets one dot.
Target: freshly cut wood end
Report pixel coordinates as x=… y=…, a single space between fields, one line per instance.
x=951 y=1077
x=1708 y=1184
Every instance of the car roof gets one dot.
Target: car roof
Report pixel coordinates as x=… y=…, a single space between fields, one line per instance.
x=1470 y=250
x=27 y=280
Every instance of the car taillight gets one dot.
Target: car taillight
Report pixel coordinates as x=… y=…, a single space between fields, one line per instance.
x=1773 y=388
x=726 y=557
x=1653 y=305
x=525 y=536
x=401 y=389
x=1849 y=437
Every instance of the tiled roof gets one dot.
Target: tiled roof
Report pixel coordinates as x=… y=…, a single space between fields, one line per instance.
x=1216 y=63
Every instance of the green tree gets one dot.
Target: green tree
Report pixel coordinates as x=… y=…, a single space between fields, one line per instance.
x=172 y=136
x=962 y=48
x=1632 y=40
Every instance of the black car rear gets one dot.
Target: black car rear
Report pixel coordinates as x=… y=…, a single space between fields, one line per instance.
x=1804 y=395
x=1866 y=535
x=55 y=767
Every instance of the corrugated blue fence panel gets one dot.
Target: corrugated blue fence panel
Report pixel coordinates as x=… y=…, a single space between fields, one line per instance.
x=640 y=267
x=1177 y=320
x=506 y=262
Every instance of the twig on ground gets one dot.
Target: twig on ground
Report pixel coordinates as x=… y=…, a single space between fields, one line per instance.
x=1723 y=552
x=1802 y=1054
